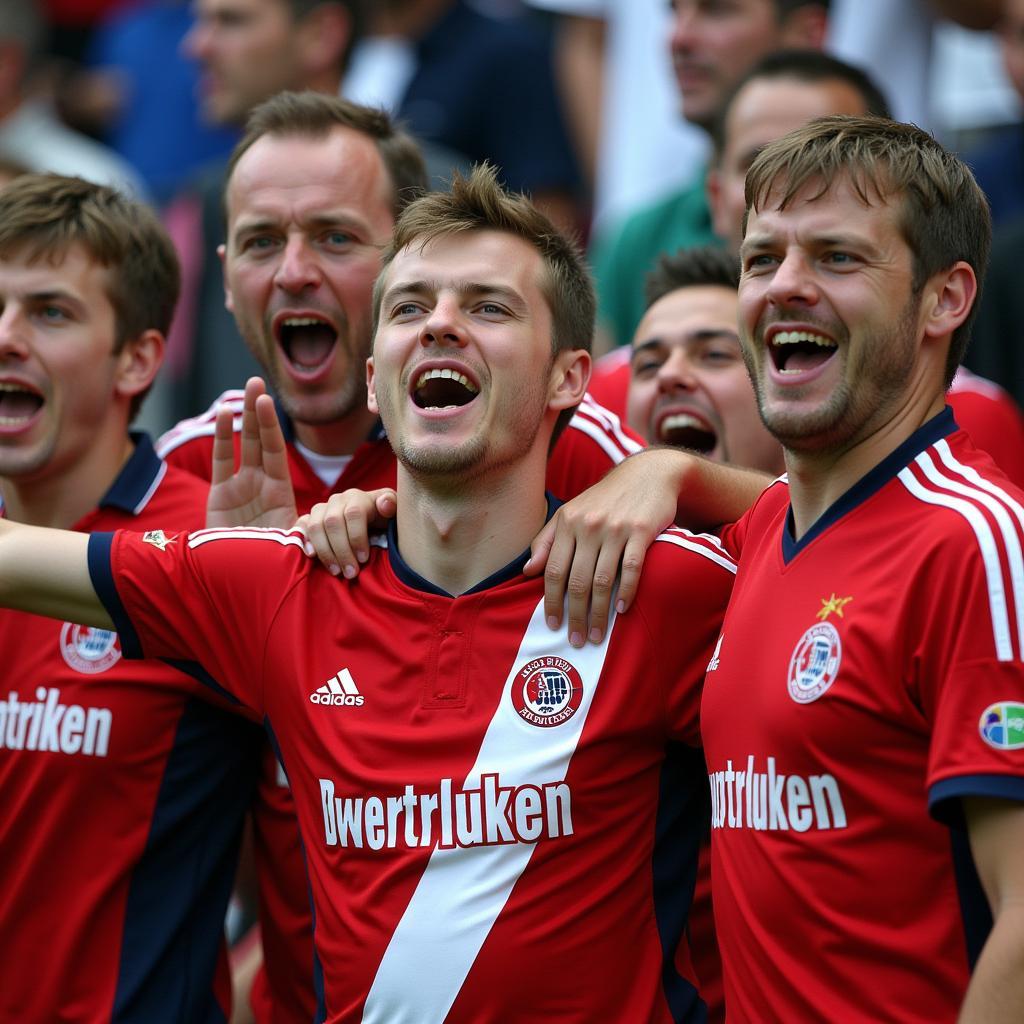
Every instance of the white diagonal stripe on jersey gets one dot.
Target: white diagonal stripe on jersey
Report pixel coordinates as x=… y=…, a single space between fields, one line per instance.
x=611 y=422
x=989 y=555
x=463 y=890
x=692 y=543
x=996 y=502
x=614 y=448
x=252 y=533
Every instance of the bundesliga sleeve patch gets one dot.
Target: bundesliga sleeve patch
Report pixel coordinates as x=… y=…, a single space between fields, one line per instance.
x=547 y=692
x=1002 y=725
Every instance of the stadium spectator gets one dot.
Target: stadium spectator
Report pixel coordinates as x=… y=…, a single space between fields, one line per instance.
x=30 y=132
x=127 y=764
x=713 y=46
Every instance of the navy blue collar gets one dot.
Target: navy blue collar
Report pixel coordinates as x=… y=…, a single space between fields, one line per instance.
x=137 y=478
x=938 y=427
x=288 y=428
x=413 y=579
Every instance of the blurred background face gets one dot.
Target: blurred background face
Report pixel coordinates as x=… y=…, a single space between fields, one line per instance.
x=688 y=384
x=1012 y=38
x=762 y=111
x=248 y=51
x=714 y=43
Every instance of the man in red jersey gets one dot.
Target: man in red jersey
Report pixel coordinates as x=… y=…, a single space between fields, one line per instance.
x=123 y=791
x=476 y=796
x=312 y=195
x=863 y=713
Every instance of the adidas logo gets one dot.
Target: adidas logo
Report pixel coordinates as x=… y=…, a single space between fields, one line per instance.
x=338 y=691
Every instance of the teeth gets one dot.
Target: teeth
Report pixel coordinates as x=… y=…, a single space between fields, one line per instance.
x=446 y=374
x=681 y=420
x=792 y=337
x=15 y=389
x=303 y=321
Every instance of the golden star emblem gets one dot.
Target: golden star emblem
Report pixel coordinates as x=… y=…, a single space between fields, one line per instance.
x=832 y=604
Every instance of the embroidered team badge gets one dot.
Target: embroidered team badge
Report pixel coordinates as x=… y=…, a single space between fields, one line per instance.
x=89 y=650
x=1002 y=725
x=547 y=692
x=158 y=539
x=815 y=663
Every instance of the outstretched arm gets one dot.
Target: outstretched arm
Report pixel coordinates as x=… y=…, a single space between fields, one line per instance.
x=259 y=492
x=606 y=531
x=46 y=572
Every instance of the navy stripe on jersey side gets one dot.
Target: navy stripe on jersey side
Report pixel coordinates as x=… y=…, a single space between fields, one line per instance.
x=974 y=908
x=682 y=819
x=945 y=796
x=179 y=892
x=197 y=672
x=938 y=427
x=318 y=969
x=100 y=545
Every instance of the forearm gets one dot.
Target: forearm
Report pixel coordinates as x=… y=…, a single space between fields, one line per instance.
x=711 y=494
x=996 y=992
x=46 y=572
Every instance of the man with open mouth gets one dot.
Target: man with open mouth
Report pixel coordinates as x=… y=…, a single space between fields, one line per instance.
x=478 y=798
x=863 y=714
x=125 y=784
x=313 y=192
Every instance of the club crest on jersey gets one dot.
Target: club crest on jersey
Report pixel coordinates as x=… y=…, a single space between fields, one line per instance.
x=815 y=663
x=547 y=692
x=158 y=539
x=1002 y=725
x=87 y=649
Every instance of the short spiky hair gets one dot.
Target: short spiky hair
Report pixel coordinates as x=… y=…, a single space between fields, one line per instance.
x=477 y=202
x=42 y=216
x=944 y=216
x=698 y=266
x=315 y=115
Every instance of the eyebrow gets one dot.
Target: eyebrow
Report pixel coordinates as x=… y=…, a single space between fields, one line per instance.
x=320 y=220
x=698 y=336
x=463 y=288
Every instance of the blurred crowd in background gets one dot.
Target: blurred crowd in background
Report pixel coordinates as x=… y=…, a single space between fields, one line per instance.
x=603 y=110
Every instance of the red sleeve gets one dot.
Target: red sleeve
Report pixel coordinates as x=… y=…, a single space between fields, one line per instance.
x=206 y=599
x=594 y=441
x=683 y=592
x=967 y=673
x=773 y=499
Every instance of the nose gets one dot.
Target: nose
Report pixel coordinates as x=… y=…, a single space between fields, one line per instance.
x=196 y=41
x=298 y=270
x=676 y=373
x=444 y=325
x=683 y=34
x=13 y=337
x=792 y=282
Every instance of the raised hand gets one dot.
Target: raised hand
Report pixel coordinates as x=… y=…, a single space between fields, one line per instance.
x=259 y=491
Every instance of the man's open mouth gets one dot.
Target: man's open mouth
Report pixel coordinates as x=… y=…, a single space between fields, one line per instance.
x=18 y=404
x=799 y=351
x=307 y=341
x=684 y=430
x=443 y=388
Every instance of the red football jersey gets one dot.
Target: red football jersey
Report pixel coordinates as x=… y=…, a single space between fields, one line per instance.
x=594 y=441
x=122 y=807
x=867 y=677
x=481 y=805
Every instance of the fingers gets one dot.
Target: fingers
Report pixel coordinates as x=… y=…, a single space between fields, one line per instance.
x=273 y=450
x=339 y=529
x=560 y=547
x=223 y=464
x=539 y=549
x=251 y=447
